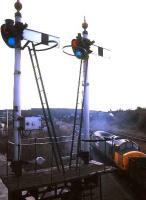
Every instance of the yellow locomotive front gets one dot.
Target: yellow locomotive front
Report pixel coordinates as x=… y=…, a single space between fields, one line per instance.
x=124 y=150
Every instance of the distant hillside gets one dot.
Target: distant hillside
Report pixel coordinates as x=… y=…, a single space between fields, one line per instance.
x=131 y=119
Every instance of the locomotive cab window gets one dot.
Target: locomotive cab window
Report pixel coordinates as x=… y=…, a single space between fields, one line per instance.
x=135 y=146
x=131 y=146
x=122 y=147
x=126 y=146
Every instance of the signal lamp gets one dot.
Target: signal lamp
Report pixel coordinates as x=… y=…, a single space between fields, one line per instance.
x=11 y=41
x=81 y=47
x=74 y=43
x=12 y=33
x=78 y=50
x=80 y=53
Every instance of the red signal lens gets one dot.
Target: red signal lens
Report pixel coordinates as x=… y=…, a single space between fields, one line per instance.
x=74 y=43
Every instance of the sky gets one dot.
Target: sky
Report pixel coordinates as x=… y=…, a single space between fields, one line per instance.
x=115 y=83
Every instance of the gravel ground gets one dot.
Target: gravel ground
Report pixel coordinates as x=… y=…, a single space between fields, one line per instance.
x=113 y=189
x=3 y=189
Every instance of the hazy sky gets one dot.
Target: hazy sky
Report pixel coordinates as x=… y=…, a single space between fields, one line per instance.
x=118 y=82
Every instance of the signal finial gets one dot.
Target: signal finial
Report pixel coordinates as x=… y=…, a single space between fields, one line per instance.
x=18 y=6
x=84 y=24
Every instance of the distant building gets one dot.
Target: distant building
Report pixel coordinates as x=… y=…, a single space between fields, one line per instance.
x=32 y=123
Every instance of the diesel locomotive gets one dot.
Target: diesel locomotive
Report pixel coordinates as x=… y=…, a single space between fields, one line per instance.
x=119 y=150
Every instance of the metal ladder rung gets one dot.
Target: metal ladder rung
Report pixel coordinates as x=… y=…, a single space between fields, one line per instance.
x=38 y=78
x=35 y=67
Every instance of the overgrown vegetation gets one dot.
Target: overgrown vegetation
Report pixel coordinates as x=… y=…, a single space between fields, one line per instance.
x=132 y=119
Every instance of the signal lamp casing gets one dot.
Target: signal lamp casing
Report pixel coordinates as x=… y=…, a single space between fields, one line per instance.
x=12 y=33
x=81 y=47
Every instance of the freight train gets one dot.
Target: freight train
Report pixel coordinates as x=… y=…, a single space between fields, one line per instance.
x=123 y=152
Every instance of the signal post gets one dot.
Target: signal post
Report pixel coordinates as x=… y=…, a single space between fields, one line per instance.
x=86 y=95
x=17 y=90
x=81 y=49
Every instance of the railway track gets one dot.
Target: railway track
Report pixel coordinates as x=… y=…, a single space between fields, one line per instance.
x=127 y=135
x=138 y=138
x=129 y=185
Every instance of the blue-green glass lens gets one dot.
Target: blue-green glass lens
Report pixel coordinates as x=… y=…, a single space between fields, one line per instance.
x=11 y=41
x=78 y=53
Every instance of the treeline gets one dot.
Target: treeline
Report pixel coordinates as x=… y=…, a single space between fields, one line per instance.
x=134 y=119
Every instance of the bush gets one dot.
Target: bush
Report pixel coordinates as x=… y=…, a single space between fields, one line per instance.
x=141 y=124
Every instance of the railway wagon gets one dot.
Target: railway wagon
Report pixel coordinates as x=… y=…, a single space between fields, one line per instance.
x=117 y=149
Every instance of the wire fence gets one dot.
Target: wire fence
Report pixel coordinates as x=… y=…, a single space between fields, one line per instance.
x=37 y=153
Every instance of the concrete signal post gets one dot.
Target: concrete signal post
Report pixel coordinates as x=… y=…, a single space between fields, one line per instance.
x=86 y=95
x=17 y=91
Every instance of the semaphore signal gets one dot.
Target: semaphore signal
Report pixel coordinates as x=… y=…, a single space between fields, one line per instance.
x=13 y=33
x=81 y=47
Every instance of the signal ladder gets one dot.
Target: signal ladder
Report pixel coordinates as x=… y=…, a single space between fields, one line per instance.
x=45 y=108
x=78 y=117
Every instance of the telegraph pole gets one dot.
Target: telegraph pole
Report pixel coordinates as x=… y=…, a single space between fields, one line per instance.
x=17 y=90
x=86 y=94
